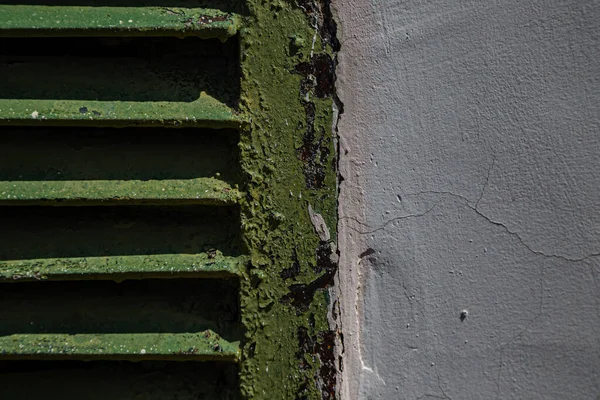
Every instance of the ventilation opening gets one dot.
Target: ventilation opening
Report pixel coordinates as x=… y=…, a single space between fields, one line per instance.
x=63 y=232
x=72 y=380
x=136 y=69
x=142 y=260
x=62 y=154
x=134 y=306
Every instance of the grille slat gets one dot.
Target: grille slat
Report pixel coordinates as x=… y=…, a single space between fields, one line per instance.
x=206 y=112
x=201 y=191
x=119 y=268
x=118 y=21
x=202 y=346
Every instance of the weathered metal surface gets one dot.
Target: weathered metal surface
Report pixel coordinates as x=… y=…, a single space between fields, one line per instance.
x=202 y=346
x=204 y=191
x=34 y=20
x=118 y=268
x=289 y=155
x=206 y=112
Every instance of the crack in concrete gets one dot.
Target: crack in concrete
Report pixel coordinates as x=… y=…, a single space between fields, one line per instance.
x=528 y=325
x=595 y=280
x=431 y=396
x=475 y=208
x=382 y=227
x=439 y=385
x=487 y=181
x=437 y=373
x=444 y=395
x=467 y=203
x=503 y=345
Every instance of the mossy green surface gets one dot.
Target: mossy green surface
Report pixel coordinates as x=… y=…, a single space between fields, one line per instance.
x=119 y=268
x=204 y=346
x=289 y=157
x=32 y=20
x=206 y=112
x=204 y=191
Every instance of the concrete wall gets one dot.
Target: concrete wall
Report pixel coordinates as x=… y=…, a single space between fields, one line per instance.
x=470 y=153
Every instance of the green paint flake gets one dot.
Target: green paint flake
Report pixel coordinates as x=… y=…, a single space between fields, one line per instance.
x=202 y=346
x=119 y=268
x=20 y=20
x=206 y=112
x=204 y=191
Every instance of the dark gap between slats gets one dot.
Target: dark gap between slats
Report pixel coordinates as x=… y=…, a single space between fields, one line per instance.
x=32 y=232
x=134 y=306
x=102 y=380
x=61 y=154
x=138 y=69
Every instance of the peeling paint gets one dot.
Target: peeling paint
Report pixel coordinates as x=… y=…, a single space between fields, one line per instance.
x=289 y=157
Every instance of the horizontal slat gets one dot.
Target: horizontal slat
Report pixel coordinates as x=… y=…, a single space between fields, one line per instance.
x=203 y=346
x=206 y=112
x=119 y=268
x=204 y=191
x=19 y=20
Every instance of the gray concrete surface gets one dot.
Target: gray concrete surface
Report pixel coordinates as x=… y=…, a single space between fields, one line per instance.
x=470 y=153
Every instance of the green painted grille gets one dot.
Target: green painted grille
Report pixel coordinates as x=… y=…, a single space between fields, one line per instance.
x=120 y=200
x=167 y=199
x=33 y=20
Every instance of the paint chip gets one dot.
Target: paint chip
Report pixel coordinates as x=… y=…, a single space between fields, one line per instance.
x=319 y=224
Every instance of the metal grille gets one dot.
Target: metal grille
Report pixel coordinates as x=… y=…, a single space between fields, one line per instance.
x=119 y=202
x=167 y=199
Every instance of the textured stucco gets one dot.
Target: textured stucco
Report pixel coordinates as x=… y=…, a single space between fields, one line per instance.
x=470 y=158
